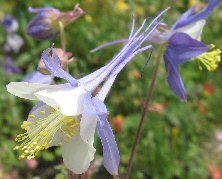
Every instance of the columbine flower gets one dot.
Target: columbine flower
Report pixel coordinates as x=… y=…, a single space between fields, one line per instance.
x=10 y=24
x=184 y=44
x=46 y=24
x=69 y=114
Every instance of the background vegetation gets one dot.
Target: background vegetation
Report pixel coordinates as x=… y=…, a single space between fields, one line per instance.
x=178 y=139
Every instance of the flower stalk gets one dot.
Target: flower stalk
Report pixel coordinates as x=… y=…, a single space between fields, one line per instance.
x=62 y=36
x=144 y=114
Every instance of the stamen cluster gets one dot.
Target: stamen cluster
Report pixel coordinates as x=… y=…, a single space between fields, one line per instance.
x=41 y=132
x=210 y=59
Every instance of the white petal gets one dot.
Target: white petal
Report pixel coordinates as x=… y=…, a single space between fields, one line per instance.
x=194 y=30
x=25 y=90
x=77 y=154
x=87 y=127
x=68 y=99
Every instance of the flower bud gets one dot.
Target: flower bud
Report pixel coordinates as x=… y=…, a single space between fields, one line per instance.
x=46 y=25
x=64 y=56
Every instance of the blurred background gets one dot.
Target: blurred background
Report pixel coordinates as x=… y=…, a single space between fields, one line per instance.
x=179 y=140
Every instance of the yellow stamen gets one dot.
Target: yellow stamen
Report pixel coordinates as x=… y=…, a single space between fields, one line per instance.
x=40 y=133
x=210 y=59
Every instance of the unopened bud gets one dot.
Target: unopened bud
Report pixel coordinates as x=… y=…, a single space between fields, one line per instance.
x=65 y=57
x=45 y=26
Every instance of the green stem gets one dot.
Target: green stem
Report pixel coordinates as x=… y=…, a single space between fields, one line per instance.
x=62 y=35
x=144 y=113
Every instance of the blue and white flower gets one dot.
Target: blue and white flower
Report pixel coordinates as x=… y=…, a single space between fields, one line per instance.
x=69 y=114
x=184 y=44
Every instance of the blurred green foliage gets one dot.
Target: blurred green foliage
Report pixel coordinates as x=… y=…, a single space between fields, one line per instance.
x=178 y=140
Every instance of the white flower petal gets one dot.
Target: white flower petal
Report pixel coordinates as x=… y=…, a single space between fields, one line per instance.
x=68 y=99
x=26 y=90
x=87 y=127
x=194 y=30
x=77 y=154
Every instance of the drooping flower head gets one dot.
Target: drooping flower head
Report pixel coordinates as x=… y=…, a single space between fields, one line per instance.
x=184 y=45
x=69 y=113
x=47 y=23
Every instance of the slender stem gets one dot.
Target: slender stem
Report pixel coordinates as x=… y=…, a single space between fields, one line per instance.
x=62 y=36
x=144 y=113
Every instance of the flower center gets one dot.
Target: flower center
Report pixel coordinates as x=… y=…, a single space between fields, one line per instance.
x=210 y=59
x=41 y=133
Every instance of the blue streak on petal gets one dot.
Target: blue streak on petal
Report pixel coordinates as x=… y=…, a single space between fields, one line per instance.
x=191 y=17
x=111 y=157
x=182 y=48
x=53 y=63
